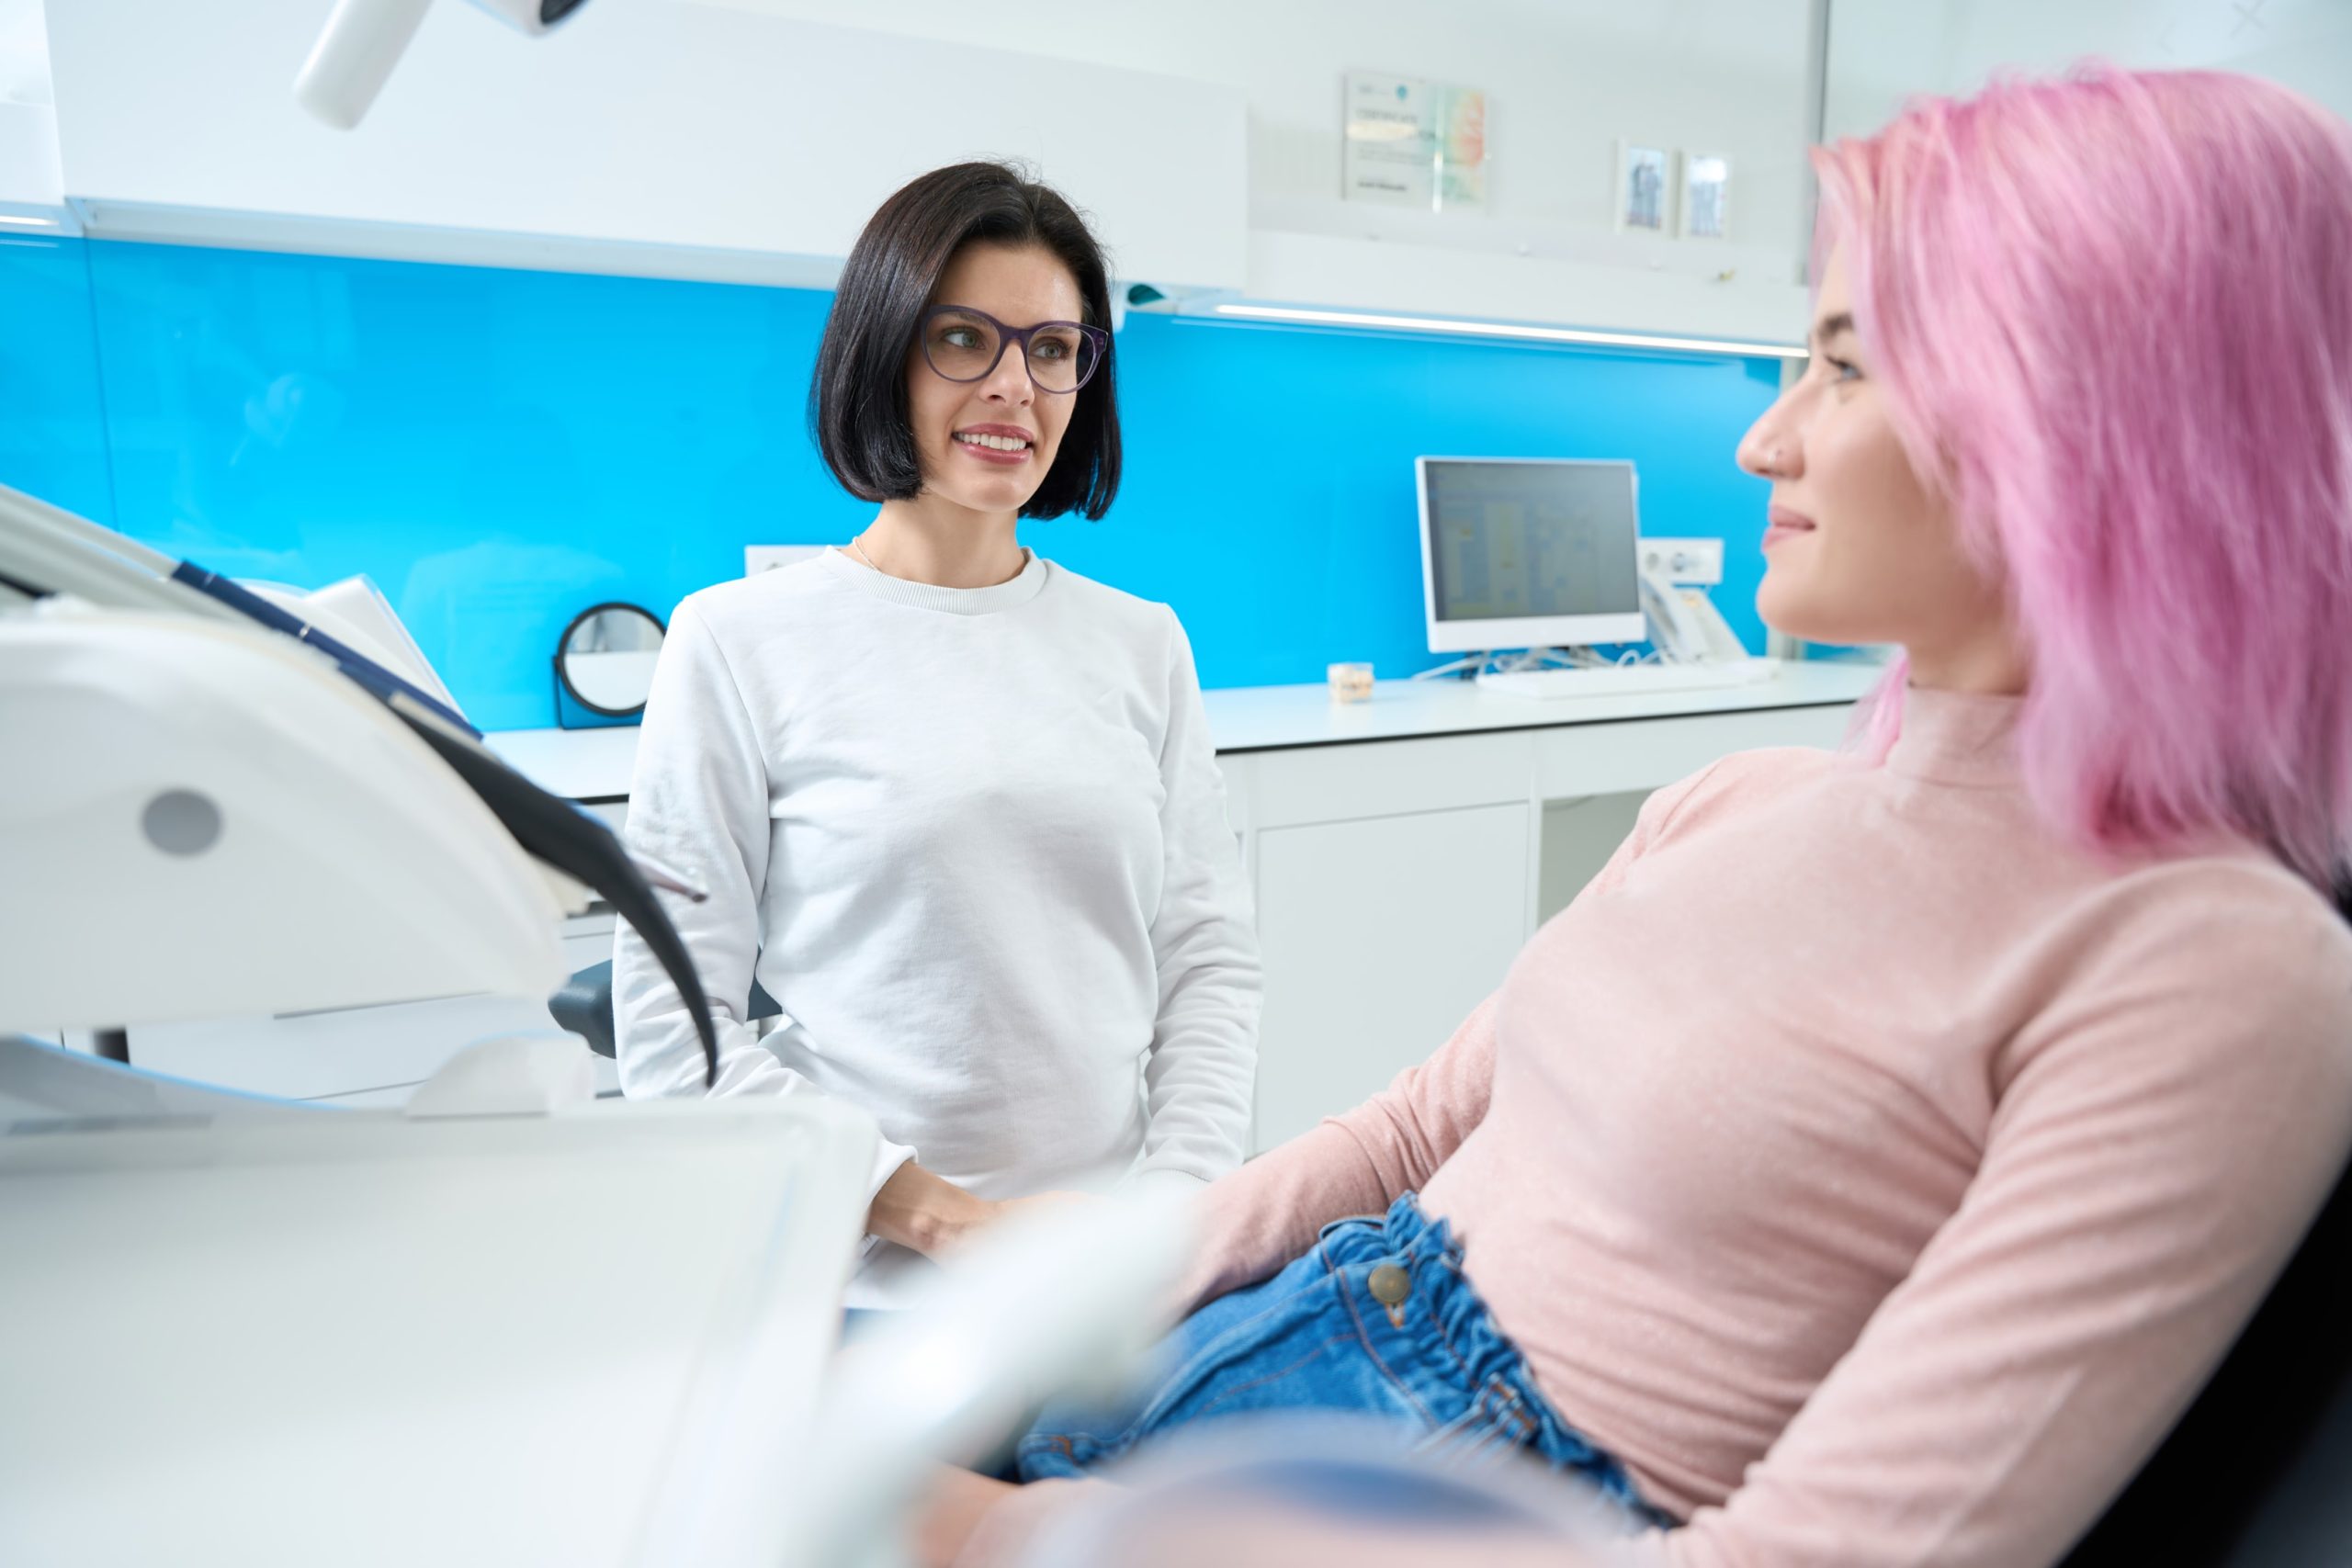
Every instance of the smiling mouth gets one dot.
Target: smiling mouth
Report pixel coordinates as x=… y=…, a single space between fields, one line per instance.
x=988 y=441
x=1784 y=524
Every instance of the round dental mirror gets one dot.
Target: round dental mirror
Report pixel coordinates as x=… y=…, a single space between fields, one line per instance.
x=606 y=658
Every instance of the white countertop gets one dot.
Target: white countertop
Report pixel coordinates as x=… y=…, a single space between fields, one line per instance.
x=595 y=764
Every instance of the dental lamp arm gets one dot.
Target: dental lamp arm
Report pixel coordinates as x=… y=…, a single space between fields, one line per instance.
x=356 y=53
x=363 y=40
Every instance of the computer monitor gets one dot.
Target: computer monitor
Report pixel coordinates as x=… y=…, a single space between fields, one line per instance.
x=1528 y=552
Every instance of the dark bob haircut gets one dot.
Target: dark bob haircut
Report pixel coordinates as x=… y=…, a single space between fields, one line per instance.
x=857 y=404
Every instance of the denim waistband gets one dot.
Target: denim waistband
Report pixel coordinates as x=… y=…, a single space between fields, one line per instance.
x=1465 y=1334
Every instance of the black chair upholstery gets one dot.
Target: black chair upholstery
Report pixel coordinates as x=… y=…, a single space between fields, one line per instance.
x=2259 y=1472
x=585 y=1006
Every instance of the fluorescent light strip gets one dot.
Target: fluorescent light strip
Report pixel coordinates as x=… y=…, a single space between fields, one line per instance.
x=1508 y=330
x=14 y=221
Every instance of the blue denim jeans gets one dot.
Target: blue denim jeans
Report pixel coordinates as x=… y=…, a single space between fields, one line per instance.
x=1415 y=1346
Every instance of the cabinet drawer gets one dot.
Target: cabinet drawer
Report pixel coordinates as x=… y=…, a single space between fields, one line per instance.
x=1385 y=778
x=1584 y=759
x=1378 y=937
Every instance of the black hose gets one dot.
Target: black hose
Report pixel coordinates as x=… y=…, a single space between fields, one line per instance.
x=583 y=849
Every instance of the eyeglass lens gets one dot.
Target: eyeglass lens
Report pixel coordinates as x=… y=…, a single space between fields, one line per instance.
x=964 y=347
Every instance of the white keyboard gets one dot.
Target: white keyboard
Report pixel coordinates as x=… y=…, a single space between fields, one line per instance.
x=1630 y=679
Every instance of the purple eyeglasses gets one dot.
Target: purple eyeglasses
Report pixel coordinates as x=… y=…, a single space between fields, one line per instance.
x=965 y=345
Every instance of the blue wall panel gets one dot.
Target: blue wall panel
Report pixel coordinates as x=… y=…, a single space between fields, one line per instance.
x=52 y=415
x=1270 y=489
x=499 y=449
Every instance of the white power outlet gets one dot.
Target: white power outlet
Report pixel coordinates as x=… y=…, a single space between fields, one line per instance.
x=758 y=559
x=1698 y=562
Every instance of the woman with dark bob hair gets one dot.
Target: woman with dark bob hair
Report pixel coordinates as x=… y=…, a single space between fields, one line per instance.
x=955 y=807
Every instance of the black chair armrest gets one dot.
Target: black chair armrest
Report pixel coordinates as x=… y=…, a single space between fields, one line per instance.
x=585 y=1006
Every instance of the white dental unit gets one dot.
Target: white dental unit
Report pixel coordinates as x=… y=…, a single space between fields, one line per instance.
x=509 y=1323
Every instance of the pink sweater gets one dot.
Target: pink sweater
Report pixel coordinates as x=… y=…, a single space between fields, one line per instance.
x=1876 y=1177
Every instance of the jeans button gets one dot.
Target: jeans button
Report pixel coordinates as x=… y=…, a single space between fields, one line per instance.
x=1390 y=1284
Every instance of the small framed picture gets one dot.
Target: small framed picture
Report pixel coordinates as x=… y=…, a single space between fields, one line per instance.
x=1643 y=188
x=1706 y=195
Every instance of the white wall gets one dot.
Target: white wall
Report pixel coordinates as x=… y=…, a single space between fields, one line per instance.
x=23 y=52
x=1563 y=79
x=683 y=130
x=30 y=183
x=1881 y=52
x=678 y=140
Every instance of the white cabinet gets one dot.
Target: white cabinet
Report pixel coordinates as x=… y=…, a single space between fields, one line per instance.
x=1399 y=870
x=1378 y=936
x=1394 y=882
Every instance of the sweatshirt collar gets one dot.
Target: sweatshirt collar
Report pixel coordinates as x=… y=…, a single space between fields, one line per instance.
x=946 y=600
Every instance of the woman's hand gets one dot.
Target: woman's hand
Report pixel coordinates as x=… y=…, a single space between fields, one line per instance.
x=1041 y=1202
x=928 y=1213
x=934 y=1216
x=946 y=1518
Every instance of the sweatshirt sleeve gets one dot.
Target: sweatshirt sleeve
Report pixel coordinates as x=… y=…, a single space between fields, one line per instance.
x=1202 y=1071
x=698 y=805
x=2165 y=1134
x=1254 y=1222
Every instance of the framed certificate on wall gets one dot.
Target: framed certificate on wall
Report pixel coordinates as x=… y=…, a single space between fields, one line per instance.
x=1410 y=142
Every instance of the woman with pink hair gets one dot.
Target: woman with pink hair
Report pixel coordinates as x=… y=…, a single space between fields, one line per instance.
x=2024 y=1055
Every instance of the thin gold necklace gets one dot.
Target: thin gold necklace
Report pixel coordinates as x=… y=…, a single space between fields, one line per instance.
x=859 y=551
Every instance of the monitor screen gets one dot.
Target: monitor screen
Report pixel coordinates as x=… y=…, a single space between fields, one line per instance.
x=1530 y=540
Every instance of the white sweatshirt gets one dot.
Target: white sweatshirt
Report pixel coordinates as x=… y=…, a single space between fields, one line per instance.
x=974 y=842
